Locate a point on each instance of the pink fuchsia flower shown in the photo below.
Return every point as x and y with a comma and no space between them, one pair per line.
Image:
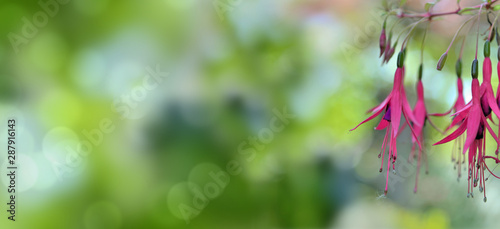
488,100
498,89
456,154
421,116
475,123
460,101
393,107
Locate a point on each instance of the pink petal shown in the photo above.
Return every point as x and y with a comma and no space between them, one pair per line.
396,103
490,130
491,102
412,131
473,122
381,105
441,114
368,119
459,131
464,109
382,125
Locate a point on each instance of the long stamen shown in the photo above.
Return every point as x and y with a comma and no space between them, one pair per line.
385,145
388,163
418,169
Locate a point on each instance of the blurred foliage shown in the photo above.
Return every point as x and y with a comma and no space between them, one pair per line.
231,65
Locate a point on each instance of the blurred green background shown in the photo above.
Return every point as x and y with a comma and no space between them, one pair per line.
221,114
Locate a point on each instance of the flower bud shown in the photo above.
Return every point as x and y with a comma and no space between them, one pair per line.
401,58
474,69
387,47
442,61
390,52
487,48
420,69
382,42
458,68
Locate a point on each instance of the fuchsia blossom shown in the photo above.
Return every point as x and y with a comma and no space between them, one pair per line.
475,123
421,116
498,91
488,101
474,117
459,104
393,106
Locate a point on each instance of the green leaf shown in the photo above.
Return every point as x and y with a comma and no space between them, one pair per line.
468,10
497,7
429,5
402,2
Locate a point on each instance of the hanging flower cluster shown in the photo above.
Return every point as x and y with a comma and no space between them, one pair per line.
469,121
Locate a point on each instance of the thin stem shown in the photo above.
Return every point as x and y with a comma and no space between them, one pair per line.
406,28
423,42
493,26
465,38
477,38
403,45
430,15
395,23
456,34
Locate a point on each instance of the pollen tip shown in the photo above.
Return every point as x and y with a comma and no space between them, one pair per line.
485,199
380,170
394,171
385,192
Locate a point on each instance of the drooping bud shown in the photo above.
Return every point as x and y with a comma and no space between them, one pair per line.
487,48
382,41
388,47
442,61
458,68
420,69
401,58
390,53
474,69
